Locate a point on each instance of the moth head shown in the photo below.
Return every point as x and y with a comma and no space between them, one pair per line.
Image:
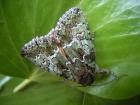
85,77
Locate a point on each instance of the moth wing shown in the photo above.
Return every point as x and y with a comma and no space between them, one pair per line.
43,52
72,24
75,36
39,50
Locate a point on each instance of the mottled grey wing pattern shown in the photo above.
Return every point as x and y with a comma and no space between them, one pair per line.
66,50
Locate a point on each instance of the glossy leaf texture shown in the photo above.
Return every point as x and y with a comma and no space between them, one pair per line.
115,24
52,92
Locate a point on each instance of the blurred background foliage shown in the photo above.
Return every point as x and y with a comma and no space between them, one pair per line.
116,28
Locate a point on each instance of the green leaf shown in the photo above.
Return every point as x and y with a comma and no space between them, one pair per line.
54,93
115,24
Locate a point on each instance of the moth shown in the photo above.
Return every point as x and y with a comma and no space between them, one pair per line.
67,50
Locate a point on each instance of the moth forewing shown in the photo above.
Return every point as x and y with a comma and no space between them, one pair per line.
67,50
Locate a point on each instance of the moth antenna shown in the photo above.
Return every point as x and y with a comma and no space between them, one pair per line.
105,83
115,77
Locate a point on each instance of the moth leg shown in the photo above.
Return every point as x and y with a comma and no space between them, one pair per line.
103,72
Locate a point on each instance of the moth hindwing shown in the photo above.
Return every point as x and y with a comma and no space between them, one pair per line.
66,50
